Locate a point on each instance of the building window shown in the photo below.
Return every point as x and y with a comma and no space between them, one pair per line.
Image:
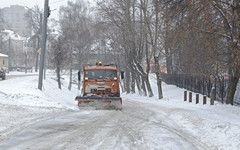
3,62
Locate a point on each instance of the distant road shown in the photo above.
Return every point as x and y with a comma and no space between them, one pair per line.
22,74
9,76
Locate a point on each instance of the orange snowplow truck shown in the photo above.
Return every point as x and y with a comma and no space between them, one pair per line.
100,87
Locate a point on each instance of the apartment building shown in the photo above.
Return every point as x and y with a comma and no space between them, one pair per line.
14,18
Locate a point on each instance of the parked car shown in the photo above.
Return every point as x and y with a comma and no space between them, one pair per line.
2,73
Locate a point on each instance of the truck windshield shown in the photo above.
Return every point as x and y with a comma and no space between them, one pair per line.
100,74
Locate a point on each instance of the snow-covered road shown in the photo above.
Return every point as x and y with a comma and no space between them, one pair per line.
137,126
31,119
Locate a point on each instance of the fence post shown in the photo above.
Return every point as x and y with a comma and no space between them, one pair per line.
185,95
190,97
204,99
197,98
212,96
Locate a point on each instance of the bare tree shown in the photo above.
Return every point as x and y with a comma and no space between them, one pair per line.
125,17
152,30
34,19
206,38
75,22
58,55
229,12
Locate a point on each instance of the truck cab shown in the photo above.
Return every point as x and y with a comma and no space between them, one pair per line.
101,80
100,87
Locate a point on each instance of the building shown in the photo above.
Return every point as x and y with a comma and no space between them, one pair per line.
14,17
20,50
4,61
1,20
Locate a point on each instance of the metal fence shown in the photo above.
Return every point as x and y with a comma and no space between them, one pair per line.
202,85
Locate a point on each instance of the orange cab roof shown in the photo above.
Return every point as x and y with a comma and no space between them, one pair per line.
100,67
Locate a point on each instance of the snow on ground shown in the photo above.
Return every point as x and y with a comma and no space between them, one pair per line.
22,104
27,94
21,100
218,124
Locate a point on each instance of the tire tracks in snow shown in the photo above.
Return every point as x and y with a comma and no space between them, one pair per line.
28,118
167,124
126,129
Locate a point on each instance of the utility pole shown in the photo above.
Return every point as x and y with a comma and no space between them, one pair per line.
43,43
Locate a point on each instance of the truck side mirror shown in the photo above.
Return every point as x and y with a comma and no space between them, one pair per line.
79,76
122,74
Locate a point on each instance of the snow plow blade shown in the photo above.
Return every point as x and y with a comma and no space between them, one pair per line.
109,103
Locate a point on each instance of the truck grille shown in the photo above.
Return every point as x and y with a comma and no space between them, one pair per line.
106,91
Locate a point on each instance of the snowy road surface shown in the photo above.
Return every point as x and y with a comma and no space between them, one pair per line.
31,119
137,126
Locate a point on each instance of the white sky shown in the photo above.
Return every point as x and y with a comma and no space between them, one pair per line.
54,4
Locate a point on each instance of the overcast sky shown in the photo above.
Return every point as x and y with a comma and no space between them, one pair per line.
54,4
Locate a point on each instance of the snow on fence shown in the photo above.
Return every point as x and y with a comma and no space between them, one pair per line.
202,85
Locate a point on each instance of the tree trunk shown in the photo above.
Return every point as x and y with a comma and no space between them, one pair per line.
39,41
37,54
79,64
232,89
25,62
71,63
159,84
138,84
133,82
70,81
144,87
150,93
79,85
59,76
79,80
168,50
169,61
36,64
159,80
127,81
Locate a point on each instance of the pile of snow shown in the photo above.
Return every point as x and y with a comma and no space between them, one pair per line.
26,93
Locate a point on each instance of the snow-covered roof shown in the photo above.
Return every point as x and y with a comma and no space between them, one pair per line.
3,55
13,35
